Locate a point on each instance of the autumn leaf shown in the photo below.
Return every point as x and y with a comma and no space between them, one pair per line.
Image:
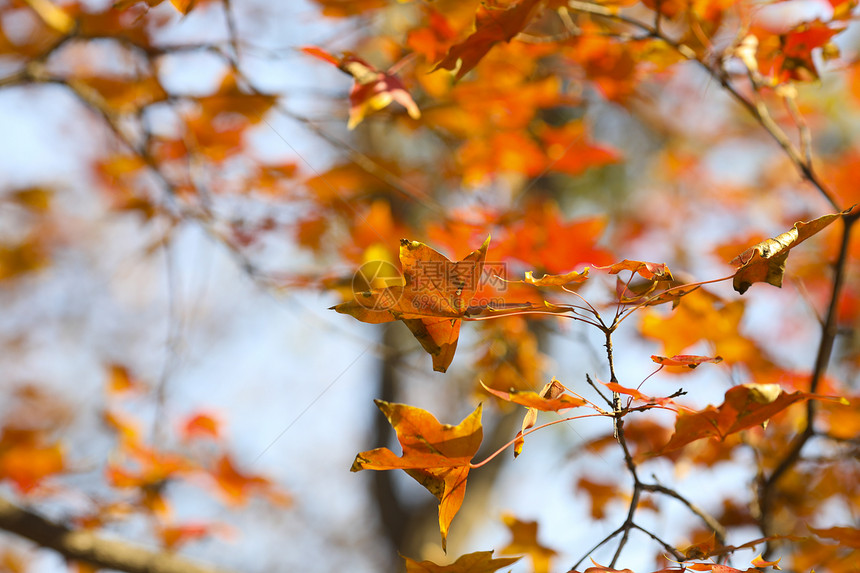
478,562
436,455
682,328
760,561
524,540
27,458
765,262
702,549
846,536
557,280
550,399
120,381
542,239
201,425
745,406
636,394
601,569
52,15
599,495
436,295
687,360
237,486
492,25
175,536
648,271
373,90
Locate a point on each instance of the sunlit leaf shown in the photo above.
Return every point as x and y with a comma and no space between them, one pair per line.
478,562
688,360
649,271
436,455
52,15
745,406
761,562
435,295
765,262
550,399
557,280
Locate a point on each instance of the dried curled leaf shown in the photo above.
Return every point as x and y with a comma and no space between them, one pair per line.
557,280
550,399
648,271
688,360
765,262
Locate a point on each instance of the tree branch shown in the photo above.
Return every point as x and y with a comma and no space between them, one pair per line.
89,548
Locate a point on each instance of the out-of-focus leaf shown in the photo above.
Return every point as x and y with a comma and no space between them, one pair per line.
52,15
846,536
201,425
492,25
373,89
599,495
524,540
238,486
745,406
27,457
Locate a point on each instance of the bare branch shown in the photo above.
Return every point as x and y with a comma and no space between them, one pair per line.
87,547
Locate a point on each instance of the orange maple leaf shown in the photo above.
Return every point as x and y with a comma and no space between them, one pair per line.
373,90
437,456
492,25
745,406
524,540
237,486
477,562
685,360
201,425
26,459
435,296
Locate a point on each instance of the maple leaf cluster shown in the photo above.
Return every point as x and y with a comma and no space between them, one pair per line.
576,134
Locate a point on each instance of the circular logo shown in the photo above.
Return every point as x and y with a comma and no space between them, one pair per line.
372,282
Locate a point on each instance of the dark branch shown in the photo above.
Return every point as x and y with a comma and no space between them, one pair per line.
87,547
